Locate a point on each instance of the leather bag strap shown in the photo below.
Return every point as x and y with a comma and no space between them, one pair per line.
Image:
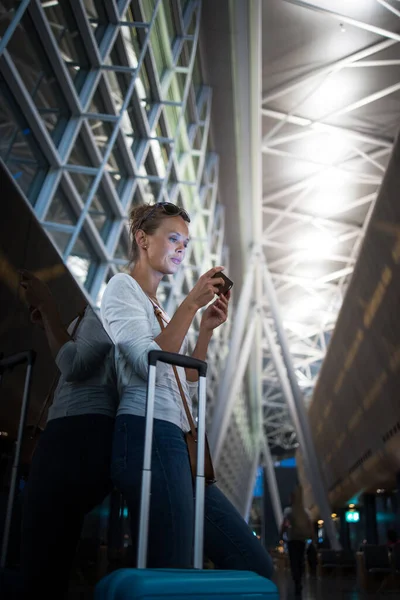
192,425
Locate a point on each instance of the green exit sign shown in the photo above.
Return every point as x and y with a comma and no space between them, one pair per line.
352,516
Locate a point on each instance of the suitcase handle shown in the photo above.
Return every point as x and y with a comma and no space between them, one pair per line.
179,360
17,359
9,363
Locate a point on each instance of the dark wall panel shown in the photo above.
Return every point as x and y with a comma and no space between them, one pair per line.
356,405
24,244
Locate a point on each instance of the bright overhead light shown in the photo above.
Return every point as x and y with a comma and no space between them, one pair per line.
325,147
303,308
316,244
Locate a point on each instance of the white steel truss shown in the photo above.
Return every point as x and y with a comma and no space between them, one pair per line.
310,241
308,337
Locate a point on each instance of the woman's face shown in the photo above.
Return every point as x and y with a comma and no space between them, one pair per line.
166,247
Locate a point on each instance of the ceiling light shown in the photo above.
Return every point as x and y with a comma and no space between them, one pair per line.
303,308
329,193
316,244
323,147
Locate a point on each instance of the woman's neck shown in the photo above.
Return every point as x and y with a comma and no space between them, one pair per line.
147,279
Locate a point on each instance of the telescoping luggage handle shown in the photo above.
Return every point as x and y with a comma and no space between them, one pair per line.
6,364
188,362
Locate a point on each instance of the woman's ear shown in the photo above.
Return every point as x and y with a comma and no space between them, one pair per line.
141,239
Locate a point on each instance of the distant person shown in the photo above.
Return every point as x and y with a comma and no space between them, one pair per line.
298,528
70,470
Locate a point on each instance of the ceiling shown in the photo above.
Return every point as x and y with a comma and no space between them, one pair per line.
330,109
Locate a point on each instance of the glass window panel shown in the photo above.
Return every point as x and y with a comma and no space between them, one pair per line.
132,45
101,213
66,33
8,8
30,59
97,103
18,148
184,56
60,210
83,261
79,154
101,131
143,87
160,45
60,239
192,26
122,250
197,79
160,153
148,9
103,287
97,16
170,19
198,140
82,183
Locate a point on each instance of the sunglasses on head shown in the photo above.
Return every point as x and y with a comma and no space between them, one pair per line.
169,209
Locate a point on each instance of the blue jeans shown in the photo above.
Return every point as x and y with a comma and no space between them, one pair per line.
69,476
228,541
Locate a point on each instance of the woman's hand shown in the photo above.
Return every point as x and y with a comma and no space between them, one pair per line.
206,288
216,313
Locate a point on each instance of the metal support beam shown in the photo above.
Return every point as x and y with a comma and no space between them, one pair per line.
223,410
272,483
251,484
239,324
345,19
255,367
294,397
326,128
349,61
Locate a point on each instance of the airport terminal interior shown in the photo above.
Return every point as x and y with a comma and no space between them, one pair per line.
274,125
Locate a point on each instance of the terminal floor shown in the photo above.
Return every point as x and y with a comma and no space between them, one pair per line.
334,588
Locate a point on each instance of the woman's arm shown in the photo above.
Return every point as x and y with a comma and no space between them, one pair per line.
213,317
171,338
130,326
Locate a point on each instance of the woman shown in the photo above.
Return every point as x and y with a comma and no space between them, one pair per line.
159,240
69,474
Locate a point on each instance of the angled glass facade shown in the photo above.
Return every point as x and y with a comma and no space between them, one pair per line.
102,106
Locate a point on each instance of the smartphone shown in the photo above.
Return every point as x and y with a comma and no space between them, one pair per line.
226,286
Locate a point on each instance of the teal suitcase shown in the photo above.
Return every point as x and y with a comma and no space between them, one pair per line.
185,584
